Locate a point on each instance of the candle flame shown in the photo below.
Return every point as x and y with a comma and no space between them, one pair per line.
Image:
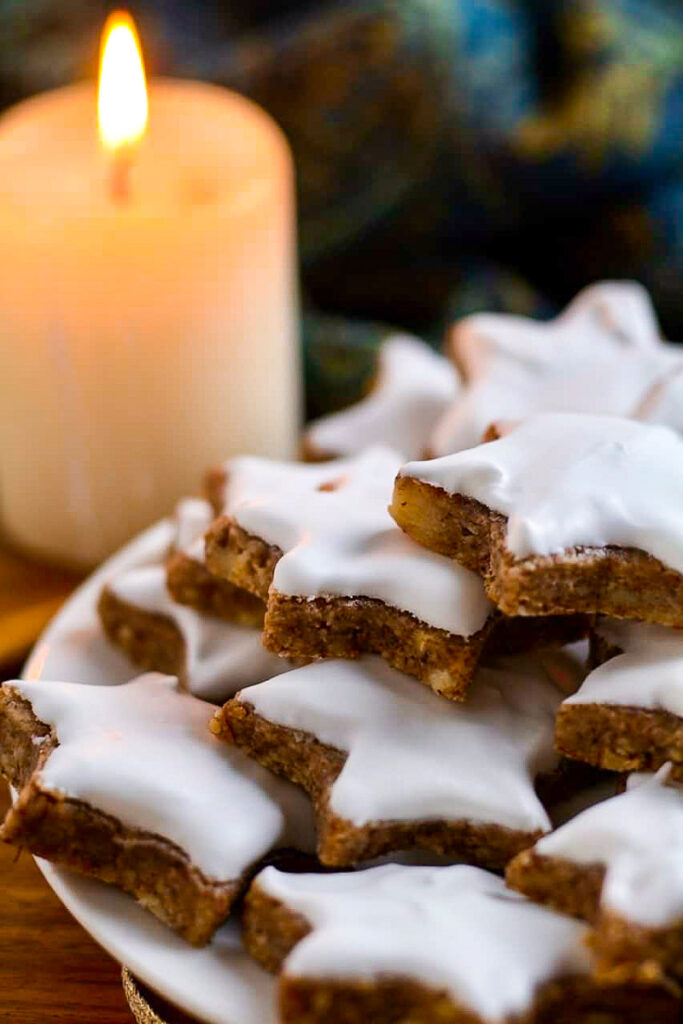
122,92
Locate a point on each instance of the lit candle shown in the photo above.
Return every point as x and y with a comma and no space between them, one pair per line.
147,301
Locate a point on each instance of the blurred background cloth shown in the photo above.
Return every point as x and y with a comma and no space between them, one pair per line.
452,155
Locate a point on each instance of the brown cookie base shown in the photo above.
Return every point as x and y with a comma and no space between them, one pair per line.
296,627
621,582
620,738
624,949
152,642
189,582
235,555
69,832
567,887
271,930
300,757
343,627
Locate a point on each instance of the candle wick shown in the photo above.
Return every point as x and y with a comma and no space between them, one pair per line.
119,177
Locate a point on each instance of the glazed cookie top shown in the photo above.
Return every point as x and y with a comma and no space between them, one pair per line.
648,674
413,389
476,760
453,928
191,519
143,753
219,656
333,526
565,480
638,835
599,356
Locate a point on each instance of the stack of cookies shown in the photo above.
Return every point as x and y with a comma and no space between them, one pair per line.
383,684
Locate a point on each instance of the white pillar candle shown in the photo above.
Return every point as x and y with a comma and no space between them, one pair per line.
149,328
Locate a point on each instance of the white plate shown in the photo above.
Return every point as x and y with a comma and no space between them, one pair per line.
218,984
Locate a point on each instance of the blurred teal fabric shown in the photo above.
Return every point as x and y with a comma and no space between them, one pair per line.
451,156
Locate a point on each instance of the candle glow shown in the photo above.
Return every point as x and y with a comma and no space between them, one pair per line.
122,107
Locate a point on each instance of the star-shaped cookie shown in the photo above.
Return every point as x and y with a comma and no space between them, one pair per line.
628,713
391,766
340,579
189,581
398,943
599,356
127,783
414,387
212,656
618,865
565,513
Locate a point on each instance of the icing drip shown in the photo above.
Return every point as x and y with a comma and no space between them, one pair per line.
143,753
332,523
413,755
638,836
565,480
220,656
649,674
599,356
414,388
455,928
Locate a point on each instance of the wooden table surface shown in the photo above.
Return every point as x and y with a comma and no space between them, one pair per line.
51,971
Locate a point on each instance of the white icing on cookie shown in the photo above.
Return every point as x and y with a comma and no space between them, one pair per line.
143,753
599,356
638,836
192,518
649,673
220,656
565,480
454,928
414,388
413,755
342,542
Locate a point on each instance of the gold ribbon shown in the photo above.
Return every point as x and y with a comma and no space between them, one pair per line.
139,1003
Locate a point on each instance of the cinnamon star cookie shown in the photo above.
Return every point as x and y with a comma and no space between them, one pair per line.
618,865
340,579
440,945
564,513
127,784
628,713
413,388
391,766
599,356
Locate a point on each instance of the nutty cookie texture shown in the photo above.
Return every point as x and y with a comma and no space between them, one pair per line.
211,656
414,387
565,513
439,945
390,766
628,713
340,579
128,785
619,866
599,356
